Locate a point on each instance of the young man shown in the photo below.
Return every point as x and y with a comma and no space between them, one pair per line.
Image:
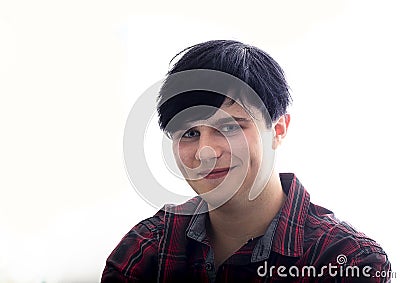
223,104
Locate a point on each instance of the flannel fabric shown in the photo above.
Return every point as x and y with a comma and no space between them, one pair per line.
303,243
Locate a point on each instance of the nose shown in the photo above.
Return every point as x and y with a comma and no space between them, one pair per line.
209,147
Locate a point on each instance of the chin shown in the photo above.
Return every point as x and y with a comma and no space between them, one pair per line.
217,196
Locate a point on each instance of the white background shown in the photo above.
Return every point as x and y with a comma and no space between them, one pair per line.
71,70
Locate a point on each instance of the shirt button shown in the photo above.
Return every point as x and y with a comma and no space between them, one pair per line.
209,266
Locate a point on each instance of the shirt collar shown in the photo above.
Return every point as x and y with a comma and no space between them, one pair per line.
285,234
197,226
263,247
289,235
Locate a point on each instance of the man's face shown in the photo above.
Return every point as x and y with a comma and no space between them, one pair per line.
225,150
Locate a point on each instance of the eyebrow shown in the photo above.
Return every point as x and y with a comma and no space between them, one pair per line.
217,122
229,119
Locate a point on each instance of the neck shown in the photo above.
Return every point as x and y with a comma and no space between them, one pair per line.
241,219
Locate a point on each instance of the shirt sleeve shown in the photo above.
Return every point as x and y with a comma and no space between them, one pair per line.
373,267
135,258
345,255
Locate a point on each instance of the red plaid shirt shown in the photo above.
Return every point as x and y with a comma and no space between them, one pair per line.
304,243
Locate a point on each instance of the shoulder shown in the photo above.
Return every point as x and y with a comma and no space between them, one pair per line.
329,240
322,223
135,258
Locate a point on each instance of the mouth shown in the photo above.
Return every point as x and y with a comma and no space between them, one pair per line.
216,173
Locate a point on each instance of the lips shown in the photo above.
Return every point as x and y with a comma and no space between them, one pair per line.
216,173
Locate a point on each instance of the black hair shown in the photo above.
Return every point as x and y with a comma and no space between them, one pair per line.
248,63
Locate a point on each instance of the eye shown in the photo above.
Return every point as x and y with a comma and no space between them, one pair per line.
191,134
229,128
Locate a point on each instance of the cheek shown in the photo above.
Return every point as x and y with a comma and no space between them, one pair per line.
255,152
248,149
182,156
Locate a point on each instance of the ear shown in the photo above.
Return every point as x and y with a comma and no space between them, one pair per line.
280,130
